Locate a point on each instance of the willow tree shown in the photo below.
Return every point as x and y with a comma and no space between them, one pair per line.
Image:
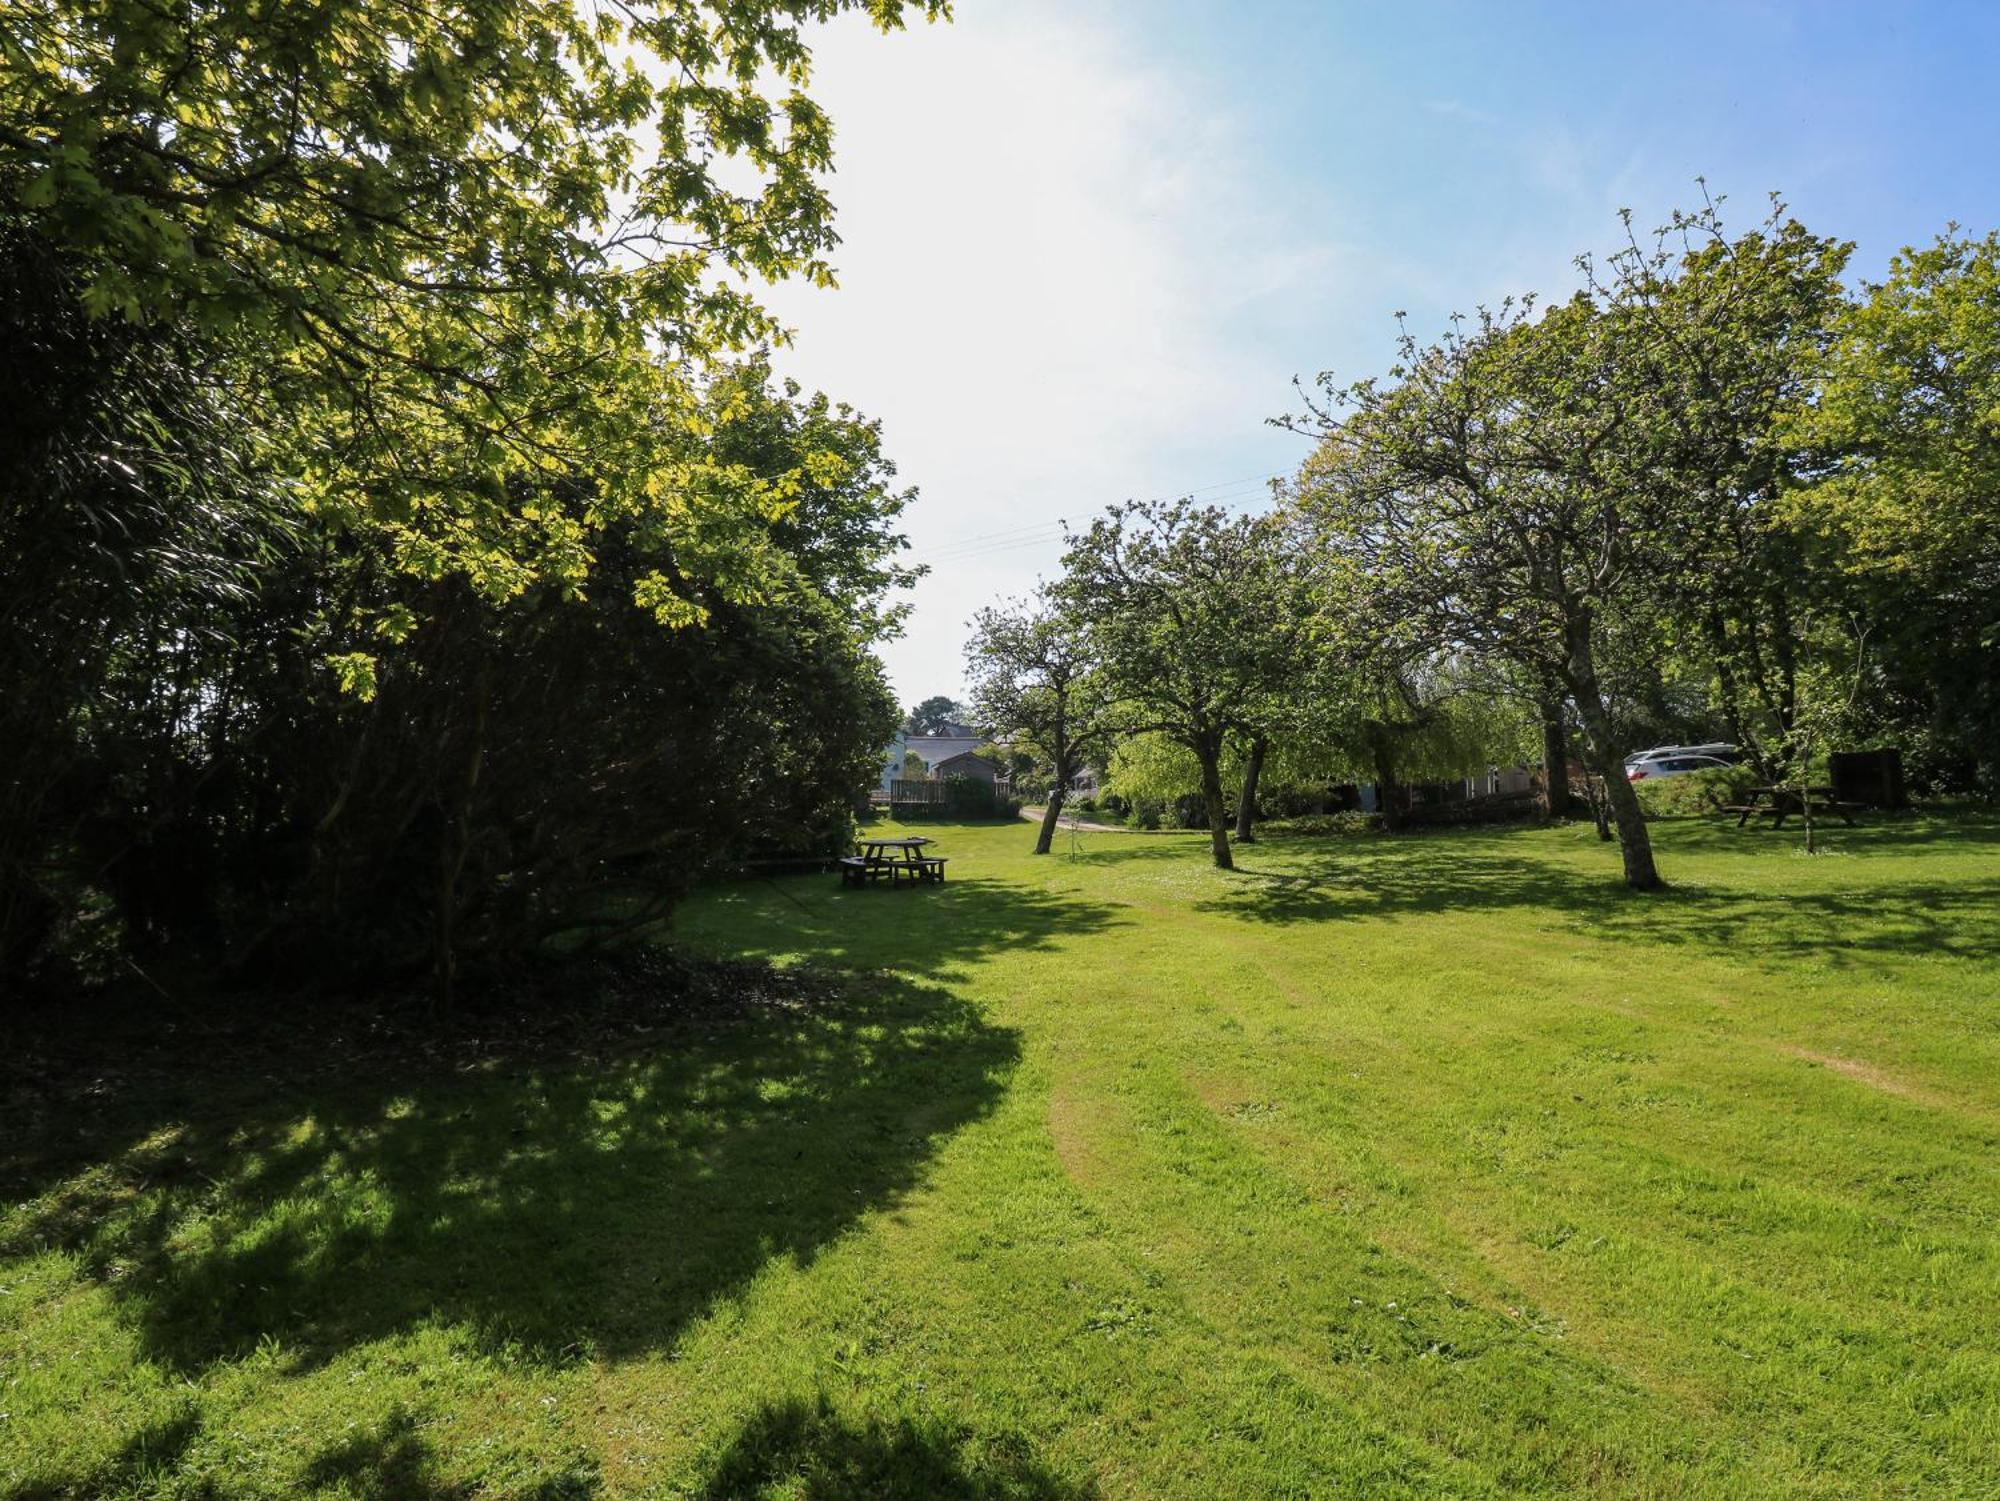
1198,618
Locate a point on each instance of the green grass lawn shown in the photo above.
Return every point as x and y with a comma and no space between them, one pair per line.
1426,1166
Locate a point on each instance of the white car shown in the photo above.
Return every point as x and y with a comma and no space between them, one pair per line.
1651,768
1717,749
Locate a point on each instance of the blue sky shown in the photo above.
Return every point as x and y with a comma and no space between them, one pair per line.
1087,245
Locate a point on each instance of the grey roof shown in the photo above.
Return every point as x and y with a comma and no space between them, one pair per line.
936,748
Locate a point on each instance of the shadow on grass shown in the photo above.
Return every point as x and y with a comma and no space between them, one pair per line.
149,1463
808,1453
1344,880
918,930
393,1461
580,1208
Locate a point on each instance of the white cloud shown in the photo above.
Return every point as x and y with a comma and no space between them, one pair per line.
1058,289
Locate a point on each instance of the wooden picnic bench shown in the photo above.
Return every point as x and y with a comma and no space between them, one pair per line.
1781,803
897,861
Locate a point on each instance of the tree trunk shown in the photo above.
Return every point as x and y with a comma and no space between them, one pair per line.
1635,844
1050,814
1246,804
1210,757
1555,759
1387,802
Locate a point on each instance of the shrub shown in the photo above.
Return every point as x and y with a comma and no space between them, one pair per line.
1146,812
1325,825
1696,793
1295,799
975,797
1113,804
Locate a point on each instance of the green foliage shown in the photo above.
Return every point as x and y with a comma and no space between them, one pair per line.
1153,768
1696,792
1904,437
512,770
1346,824
1036,683
398,477
1554,486
975,797
1908,404
472,271
1196,620
932,715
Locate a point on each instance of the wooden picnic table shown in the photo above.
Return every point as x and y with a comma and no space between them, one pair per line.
1781,803
894,860
872,849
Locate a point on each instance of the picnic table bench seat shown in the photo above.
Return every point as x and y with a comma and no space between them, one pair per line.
874,864
1779,804
918,871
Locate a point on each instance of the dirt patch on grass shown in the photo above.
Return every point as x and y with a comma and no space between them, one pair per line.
1863,1072
1076,1125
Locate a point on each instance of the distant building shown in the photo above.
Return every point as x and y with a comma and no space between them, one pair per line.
966,764
932,750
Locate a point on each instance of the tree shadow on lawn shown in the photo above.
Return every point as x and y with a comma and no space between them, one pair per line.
145,1465
1346,880
915,929
808,1452
393,1461
794,1449
583,1207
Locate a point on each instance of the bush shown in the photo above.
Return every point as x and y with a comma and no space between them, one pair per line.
1696,793
1296,799
1114,805
975,797
1146,812
1325,825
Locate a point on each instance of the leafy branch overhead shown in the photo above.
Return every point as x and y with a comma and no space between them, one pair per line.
475,269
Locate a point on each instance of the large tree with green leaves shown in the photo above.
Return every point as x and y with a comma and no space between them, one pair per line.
932,715
1036,685
1902,443
470,267
416,344
1535,489
1197,618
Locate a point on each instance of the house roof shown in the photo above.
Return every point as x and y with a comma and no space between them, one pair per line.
940,748
950,760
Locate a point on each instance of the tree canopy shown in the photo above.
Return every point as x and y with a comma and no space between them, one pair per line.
1197,616
407,551
1036,686
473,268
1539,481
932,715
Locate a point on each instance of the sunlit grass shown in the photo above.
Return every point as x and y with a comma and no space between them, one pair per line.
1384,1166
